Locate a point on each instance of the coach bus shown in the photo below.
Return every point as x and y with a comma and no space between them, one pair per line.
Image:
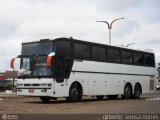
69,68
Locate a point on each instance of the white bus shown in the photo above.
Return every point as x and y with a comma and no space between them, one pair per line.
70,68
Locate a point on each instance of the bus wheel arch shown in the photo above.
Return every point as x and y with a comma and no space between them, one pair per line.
128,91
75,92
137,90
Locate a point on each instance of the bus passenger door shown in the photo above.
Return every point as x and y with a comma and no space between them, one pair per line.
62,72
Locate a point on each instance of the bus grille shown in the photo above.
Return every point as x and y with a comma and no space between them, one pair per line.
31,84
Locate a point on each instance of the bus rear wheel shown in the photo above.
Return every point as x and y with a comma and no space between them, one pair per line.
127,91
112,97
75,93
137,91
45,99
100,97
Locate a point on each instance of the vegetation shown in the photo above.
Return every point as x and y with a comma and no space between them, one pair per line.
6,86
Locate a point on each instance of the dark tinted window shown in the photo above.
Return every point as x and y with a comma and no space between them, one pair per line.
113,55
63,48
98,53
126,56
77,50
149,59
86,51
81,51
36,48
138,58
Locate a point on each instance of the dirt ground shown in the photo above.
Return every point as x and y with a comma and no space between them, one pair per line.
148,103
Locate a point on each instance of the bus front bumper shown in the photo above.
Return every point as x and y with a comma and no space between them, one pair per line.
35,92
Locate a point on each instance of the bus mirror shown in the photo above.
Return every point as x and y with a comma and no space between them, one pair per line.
49,61
12,63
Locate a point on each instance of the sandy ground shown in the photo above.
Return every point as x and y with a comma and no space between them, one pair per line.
148,103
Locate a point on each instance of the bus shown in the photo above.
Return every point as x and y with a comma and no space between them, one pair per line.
70,68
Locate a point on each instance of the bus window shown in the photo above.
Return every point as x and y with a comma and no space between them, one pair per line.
81,51
113,55
138,58
98,53
126,56
86,51
149,59
63,48
78,50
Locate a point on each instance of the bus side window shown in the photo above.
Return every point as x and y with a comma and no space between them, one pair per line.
63,48
138,58
98,53
81,51
78,50
149,59
126,56
113,55
86,52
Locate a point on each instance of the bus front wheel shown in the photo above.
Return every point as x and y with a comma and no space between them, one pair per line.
75,93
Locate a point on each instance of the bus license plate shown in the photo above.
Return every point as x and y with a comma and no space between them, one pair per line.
31,90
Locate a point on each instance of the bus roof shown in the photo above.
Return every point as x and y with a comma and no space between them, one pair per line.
65,38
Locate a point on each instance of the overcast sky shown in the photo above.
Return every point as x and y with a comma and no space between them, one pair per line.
22,20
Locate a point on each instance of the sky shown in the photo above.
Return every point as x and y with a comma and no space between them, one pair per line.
22,20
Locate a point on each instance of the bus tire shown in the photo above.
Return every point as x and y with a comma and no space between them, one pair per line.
137,91
75,93
127,91
45,99
100,97
112,97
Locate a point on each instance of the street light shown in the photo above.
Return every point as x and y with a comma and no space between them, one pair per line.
110,26
130,44
126,45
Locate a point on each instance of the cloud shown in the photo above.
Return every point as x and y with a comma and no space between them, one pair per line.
26,19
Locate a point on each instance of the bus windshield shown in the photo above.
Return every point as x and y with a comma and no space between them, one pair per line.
37,48
34,59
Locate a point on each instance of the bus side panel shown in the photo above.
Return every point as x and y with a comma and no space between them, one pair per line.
108,78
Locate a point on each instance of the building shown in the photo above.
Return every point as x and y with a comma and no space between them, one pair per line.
2,76
8,75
